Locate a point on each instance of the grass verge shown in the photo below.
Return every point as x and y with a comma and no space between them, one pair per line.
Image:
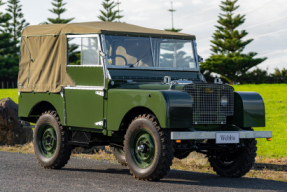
275,100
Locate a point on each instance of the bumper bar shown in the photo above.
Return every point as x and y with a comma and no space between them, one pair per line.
179,135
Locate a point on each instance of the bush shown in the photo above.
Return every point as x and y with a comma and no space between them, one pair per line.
257,76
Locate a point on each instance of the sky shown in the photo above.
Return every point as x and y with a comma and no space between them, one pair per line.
266,21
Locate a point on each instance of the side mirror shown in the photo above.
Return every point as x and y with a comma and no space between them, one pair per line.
200,59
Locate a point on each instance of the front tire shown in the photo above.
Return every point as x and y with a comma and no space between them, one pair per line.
148,148
235,164
50,141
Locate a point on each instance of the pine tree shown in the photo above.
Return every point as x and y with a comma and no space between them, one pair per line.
227,58
8,64
58,10
172,28
16,24
59,4
108,15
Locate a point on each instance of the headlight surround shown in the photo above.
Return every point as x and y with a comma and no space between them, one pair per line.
224,101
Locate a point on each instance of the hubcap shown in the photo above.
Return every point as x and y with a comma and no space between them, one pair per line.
142,148
47,140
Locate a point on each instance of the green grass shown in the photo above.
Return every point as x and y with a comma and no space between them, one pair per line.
12,93
275,99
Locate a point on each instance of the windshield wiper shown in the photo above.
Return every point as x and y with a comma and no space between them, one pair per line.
132,65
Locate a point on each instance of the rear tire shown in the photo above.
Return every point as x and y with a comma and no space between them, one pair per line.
148,148
235,164
50,141
119,155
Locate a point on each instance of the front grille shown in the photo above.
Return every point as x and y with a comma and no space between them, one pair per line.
207,107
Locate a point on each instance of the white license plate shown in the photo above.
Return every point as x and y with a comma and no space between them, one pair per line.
227,138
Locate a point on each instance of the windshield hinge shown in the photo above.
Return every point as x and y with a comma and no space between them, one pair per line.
102,53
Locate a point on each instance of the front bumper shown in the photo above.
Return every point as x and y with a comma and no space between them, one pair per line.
190,135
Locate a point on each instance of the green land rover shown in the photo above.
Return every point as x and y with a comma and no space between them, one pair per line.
137,90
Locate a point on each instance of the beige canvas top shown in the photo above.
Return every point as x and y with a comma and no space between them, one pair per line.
97,27
44,51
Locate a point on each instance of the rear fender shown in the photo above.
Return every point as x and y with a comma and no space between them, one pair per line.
32,103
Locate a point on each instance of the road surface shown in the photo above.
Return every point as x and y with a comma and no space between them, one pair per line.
21,172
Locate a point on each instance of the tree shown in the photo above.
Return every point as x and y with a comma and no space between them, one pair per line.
59,4
227,58
172,28
58,10
108,15
17,24
8,64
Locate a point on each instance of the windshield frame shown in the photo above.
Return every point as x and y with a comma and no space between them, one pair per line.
152,68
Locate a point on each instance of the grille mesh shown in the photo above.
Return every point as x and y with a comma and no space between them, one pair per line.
207,107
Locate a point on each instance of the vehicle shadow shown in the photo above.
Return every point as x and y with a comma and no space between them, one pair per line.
188,178
212,180
107,171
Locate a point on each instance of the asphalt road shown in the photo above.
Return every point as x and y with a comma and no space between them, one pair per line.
21,172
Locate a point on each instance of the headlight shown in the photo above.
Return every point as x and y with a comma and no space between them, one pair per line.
224,101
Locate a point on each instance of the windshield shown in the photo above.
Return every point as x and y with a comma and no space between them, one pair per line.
149,52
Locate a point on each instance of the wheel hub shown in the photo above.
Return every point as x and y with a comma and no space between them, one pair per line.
47,140
142,148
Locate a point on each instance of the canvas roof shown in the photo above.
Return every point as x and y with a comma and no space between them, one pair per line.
98,27
44,51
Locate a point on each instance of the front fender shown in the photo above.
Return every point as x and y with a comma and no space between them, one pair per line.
178,109
249,110
173,109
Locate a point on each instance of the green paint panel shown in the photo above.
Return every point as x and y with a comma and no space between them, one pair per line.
249,110
121,101
27,101
147,86
179,109
155,75
83,108
86,76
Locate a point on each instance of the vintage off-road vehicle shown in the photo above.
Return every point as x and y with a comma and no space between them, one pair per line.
136,89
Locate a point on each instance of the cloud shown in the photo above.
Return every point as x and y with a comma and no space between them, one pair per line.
264,19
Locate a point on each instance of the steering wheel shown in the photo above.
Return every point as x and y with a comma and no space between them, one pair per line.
114,56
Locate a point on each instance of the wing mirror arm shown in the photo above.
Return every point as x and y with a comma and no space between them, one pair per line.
200,59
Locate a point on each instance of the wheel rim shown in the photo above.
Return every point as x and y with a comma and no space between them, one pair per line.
142,148
228,159
47,140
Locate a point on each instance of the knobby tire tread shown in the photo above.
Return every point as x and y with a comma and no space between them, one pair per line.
117,158
166,156
245,165
65,149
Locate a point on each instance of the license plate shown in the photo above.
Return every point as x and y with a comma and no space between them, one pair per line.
227,138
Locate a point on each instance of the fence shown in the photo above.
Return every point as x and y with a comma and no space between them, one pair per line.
8,85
